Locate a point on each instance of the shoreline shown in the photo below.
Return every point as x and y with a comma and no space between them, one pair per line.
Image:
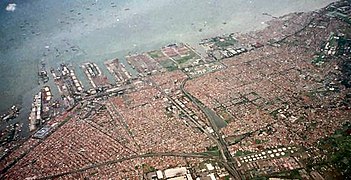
149,71
102,56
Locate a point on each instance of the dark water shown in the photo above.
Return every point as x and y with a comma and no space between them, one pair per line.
46,30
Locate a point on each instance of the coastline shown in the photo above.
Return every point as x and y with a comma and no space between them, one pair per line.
274,45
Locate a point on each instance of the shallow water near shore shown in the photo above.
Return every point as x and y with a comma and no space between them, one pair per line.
96,30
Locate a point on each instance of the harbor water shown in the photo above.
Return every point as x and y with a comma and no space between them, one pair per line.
77,31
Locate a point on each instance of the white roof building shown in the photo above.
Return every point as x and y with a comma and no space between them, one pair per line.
209,167
175,172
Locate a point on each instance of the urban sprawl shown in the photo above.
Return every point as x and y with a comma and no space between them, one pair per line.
254,106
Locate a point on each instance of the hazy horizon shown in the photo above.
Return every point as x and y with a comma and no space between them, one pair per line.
106,29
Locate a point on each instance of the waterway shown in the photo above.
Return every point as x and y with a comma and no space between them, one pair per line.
49,30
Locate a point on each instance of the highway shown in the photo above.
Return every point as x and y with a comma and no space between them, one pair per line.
225,159
171,154
228,161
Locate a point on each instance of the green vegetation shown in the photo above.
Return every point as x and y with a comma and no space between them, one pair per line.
94,173
332,41
259,178
190,56
224,115
318,60
235,139
214,148
242,153
169,65
226,177
169,114
344,17
64,121
194,99
274,113
147,168
213,151
339,43
348,20
338,149
258,141
295,174
311,94
202,165
342,44
313,125
155,54
225,42
171,68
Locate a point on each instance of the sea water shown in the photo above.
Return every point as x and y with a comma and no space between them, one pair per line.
36,31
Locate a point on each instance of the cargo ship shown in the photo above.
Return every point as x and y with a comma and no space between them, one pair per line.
11,113
35,114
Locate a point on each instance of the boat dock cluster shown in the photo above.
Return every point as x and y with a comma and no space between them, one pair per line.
258,108
10,114
144,64
45,106
42,108
35,115
118,70
95,76
7,136
68,84
71,91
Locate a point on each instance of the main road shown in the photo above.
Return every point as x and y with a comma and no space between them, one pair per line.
228,161
119,160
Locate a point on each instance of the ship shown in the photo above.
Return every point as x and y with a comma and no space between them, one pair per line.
35,115
43,74
11,113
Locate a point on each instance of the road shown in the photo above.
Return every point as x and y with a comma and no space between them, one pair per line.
225,159
228,161
171,154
